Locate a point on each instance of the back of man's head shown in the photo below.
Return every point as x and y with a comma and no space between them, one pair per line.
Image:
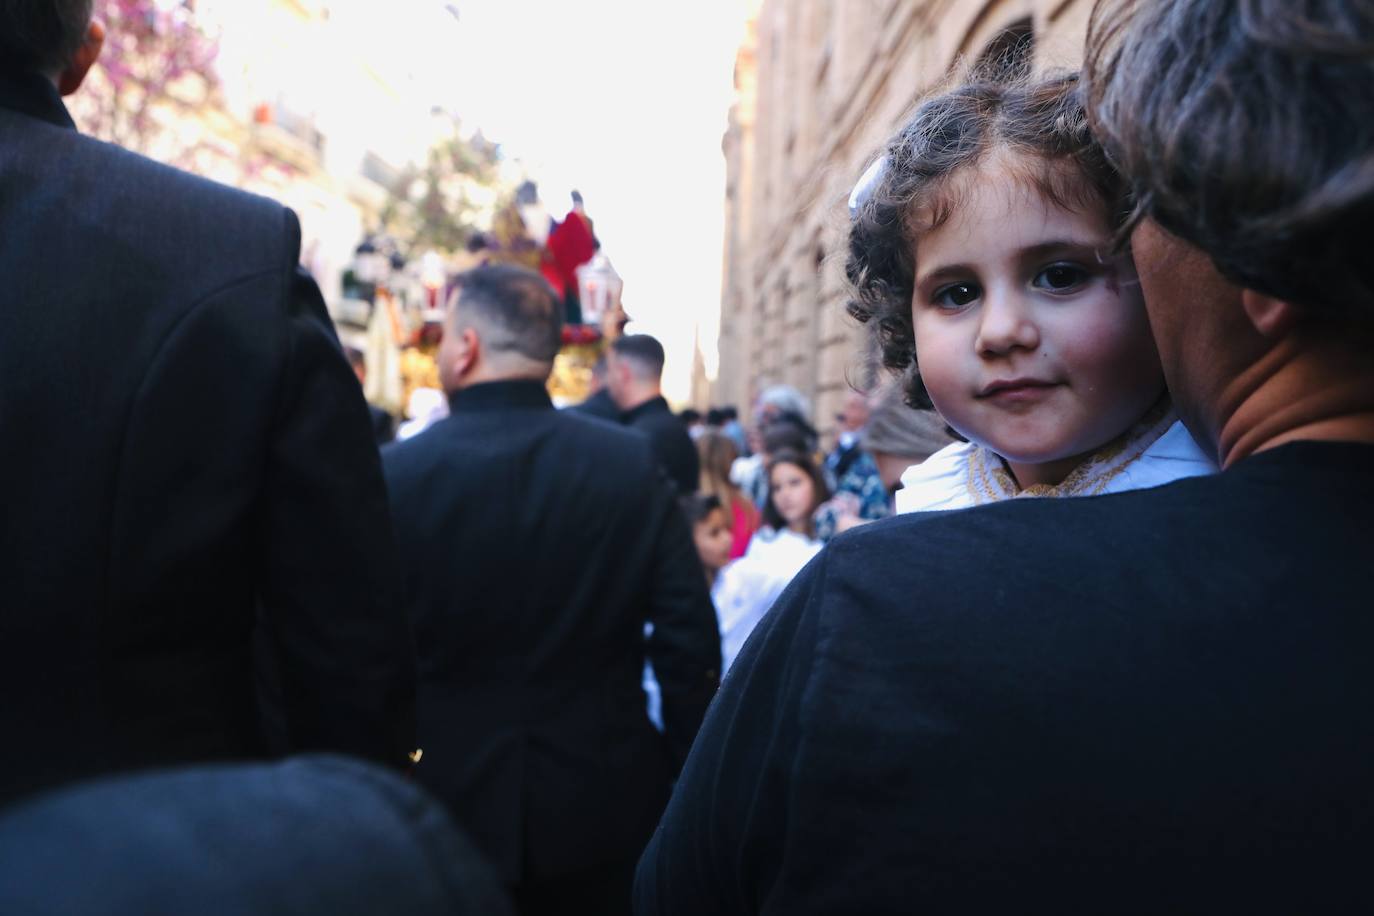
642,353
1246,128
514,314
41,36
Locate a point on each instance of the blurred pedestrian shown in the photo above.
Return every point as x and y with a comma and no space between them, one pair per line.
777,400
747,588
634,375
383,423
710,532
190,460
896,437
536,545
781,434
851,420
900,436
693,422
731,426
717,453
599,402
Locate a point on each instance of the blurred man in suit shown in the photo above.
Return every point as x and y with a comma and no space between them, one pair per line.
634,376
536,545
599,403
383,423
188,459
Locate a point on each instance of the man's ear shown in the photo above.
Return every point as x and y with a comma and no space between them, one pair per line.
70,79
1273,318
471,350
457,354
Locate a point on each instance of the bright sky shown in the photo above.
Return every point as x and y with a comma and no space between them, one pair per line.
625,100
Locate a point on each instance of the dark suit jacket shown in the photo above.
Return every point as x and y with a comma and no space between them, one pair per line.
1152,702
600,405
383,425
674,448
536,545
310,836
184,444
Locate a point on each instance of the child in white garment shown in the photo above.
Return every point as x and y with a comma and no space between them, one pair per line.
747,588
983,247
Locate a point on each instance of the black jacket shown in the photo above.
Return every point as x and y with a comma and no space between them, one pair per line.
1151,702
674,448
310,836
536,545
187,454
600,405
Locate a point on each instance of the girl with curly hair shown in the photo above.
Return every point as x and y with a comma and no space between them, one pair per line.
983,251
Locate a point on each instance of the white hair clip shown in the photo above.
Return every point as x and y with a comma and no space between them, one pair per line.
863,190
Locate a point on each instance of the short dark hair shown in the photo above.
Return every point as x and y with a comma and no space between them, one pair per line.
41,36
1246,128
517,306
642,350
788,431
820,490
696,506
1042,119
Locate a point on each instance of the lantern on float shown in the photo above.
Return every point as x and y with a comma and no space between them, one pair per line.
598,288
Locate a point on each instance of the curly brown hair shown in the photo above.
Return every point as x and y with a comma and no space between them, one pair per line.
1042,122
1246,128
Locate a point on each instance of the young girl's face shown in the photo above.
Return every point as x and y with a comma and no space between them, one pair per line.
1030,338
793,494
713,539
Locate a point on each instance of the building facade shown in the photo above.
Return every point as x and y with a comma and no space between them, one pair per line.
820,85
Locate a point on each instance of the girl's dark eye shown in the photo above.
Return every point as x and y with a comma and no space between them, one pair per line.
956,295
1060,278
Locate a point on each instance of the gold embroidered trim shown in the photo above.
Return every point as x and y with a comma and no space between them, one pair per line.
990,481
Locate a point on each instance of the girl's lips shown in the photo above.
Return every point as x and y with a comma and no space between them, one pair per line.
1017,390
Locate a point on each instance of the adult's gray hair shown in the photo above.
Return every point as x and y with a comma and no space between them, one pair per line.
40,36
1246,127
785,399
897,429
516,309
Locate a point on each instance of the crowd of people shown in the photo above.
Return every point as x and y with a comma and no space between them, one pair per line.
768,499
1072,615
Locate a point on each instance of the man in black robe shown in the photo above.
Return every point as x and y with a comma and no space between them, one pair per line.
536,545
187,461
